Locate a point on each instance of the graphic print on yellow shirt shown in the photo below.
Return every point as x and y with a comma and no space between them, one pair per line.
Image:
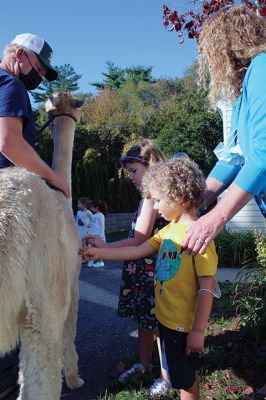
168,262
175,305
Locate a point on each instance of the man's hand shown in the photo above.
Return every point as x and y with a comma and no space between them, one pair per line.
60,182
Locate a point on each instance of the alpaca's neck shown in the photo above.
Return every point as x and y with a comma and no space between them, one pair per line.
63,136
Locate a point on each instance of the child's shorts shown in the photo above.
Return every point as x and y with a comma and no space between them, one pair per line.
180,367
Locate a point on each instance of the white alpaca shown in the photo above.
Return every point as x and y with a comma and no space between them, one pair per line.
39,267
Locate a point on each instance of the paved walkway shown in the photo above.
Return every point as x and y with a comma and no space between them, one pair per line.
102,337
227,274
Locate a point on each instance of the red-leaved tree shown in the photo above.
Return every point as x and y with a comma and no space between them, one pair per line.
190,22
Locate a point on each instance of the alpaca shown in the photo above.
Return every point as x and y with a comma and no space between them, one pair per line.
39,266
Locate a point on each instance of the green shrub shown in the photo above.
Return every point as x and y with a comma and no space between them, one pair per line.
235,248
251,292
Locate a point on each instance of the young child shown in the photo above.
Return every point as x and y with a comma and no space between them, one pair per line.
185,285
84,216
136,298
99,210
83,222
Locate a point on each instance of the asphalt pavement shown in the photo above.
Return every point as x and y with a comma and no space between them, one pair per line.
103,338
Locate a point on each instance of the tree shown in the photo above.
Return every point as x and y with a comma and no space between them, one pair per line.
106,119
116,77
186,124
190,22
139,73
67,82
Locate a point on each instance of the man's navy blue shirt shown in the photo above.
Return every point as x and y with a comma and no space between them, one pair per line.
15,102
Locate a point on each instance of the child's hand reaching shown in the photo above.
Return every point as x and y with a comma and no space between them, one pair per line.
93,240
89,253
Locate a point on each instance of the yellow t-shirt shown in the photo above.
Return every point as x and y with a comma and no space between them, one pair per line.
176,298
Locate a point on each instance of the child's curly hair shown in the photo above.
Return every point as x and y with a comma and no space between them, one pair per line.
175,179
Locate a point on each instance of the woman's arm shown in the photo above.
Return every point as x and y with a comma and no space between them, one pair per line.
214,189
195,339
122,253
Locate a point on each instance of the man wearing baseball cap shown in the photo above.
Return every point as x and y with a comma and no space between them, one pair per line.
26,61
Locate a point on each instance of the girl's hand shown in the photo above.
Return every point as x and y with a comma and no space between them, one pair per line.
195,342
93,240
89,253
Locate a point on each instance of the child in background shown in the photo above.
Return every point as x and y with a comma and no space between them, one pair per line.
136,298
83,222
84,216
100,211
185,285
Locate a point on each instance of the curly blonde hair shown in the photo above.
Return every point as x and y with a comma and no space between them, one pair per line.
175,179
227,43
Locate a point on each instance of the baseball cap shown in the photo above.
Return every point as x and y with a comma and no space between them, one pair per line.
42,50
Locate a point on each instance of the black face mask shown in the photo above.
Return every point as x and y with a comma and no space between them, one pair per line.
32,80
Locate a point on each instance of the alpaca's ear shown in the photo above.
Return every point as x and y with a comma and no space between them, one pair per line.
77,103
54,98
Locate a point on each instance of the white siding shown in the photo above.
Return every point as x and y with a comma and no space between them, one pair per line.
250,215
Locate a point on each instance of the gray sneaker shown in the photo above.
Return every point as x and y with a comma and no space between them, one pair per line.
136,368
159,387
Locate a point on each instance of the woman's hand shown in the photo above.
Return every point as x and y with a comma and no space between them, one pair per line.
202,232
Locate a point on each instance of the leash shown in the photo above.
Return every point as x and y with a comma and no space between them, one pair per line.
50,119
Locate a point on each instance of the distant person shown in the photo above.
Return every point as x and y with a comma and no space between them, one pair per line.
234,58
136,298
185,285
84,216
26,61
100,211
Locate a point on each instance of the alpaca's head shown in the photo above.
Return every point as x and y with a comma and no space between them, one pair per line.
64,103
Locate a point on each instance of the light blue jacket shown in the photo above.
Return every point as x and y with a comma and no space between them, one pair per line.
249,121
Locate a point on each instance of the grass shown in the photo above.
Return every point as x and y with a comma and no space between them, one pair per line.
232,362
234,249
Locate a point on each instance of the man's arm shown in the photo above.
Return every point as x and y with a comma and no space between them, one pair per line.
21,154
195,339
122,253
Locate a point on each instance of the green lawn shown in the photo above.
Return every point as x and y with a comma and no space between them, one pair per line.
234,358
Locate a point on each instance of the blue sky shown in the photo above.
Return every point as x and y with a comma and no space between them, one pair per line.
86,34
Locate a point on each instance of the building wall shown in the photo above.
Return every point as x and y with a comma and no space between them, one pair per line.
250,216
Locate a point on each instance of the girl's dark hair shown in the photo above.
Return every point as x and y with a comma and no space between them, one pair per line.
101,205
85,201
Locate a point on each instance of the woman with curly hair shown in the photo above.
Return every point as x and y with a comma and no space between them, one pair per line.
232,57
185,285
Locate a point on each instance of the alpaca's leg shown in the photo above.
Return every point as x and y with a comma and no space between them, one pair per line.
41,360
70,357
